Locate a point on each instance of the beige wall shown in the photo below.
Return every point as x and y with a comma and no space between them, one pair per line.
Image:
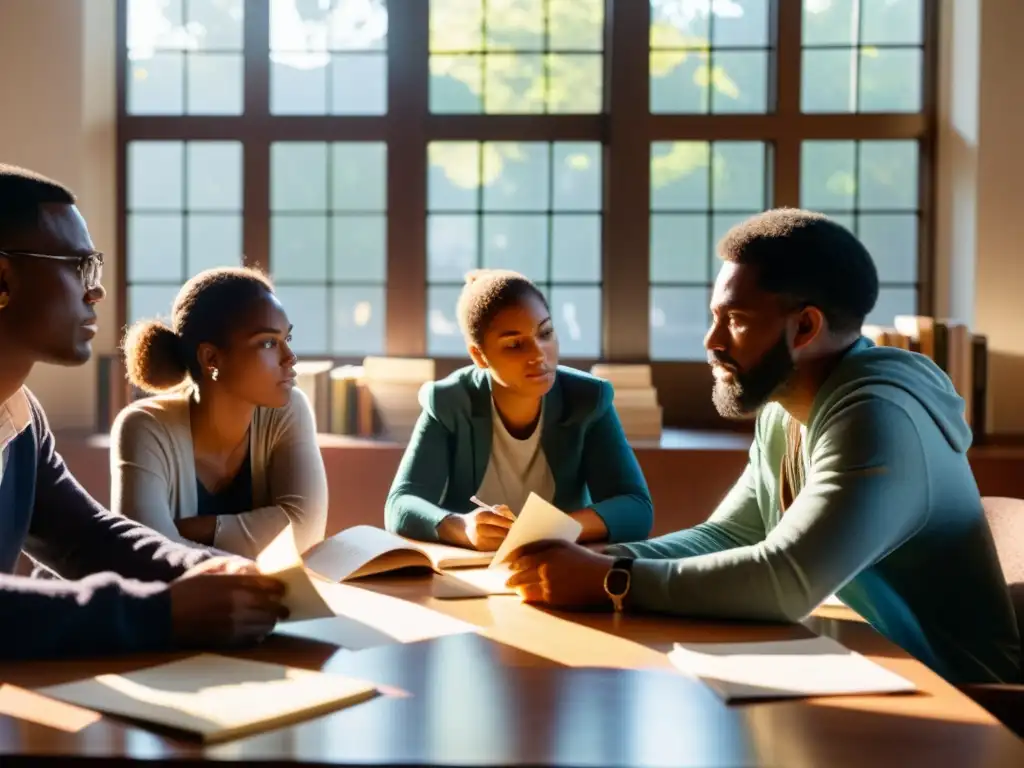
57,108
981,189
58,117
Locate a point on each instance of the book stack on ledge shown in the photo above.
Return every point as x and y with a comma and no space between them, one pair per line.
375,399
636,399
958,352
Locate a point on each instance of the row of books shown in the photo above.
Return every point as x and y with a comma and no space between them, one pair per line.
379,397
963,355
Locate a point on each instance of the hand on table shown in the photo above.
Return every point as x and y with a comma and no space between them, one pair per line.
481,529
560,574
221,565
221,610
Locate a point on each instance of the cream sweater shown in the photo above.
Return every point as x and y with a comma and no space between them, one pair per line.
153,473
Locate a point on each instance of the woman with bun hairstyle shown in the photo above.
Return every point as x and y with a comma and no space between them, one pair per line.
226,453
513,423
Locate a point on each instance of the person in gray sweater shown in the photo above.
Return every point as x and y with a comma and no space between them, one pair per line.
124,588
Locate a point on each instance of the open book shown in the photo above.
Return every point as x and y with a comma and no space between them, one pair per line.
216,698
364,551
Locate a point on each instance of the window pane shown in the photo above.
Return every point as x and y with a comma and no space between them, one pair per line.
892,302
887,175
892,22
214,176
156,84
738,172
151,301
298,84
576,25
741,23
155,170
891,239
451,246
832,22
675,24
890,79
739,81
306,307
576,248
156,24
517,242
679,322
829,80
358,320
679,82
213,241
217,23
359,176
827,176
576,313
679,175
577,169
516,56
298,248
359,84
214,84
155,247
516,176
298,176
453,178
679,248
443,335
359,248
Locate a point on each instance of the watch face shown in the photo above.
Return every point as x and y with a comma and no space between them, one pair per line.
618,581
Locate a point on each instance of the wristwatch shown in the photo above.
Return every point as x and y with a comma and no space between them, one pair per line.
617,581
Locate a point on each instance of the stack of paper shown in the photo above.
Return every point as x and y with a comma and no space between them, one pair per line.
817,666
215,697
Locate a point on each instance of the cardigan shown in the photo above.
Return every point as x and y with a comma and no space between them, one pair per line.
119,603
153,473
583,441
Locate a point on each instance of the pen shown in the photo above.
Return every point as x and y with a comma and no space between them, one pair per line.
488,507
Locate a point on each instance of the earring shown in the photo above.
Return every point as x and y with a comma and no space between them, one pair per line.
3,300
214,373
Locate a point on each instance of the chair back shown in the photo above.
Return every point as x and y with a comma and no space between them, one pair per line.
1006,520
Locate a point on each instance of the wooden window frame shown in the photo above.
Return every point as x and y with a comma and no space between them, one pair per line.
625,129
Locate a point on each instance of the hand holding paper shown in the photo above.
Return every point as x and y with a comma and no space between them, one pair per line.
281,560
538,521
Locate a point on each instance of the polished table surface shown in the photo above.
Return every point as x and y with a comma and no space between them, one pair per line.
494,682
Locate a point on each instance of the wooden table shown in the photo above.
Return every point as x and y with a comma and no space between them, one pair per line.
529,687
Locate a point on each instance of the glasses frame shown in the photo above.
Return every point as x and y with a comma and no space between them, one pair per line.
90,265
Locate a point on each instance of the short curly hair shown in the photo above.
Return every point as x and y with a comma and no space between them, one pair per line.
22,192
486,293
161,357
810,259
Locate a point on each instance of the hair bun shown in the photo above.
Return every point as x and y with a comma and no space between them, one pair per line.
153,356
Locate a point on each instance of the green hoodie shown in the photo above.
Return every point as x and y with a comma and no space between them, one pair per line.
888,517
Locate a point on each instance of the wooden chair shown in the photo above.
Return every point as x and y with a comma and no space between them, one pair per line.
1006,519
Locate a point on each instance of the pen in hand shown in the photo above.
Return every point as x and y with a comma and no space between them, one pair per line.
489,508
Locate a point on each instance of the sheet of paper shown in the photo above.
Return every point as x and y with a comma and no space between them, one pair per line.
536,522
302,597
817,666
472,582
216,697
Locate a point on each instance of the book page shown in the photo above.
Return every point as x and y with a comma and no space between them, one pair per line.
538,521
471,582
215,697
817,666
362,551
281,560
445,556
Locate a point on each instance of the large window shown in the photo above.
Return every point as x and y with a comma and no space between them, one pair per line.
368,153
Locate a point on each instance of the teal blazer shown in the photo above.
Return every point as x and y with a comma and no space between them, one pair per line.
592,463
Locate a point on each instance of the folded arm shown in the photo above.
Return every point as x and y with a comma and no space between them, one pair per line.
615,481
859,503
413,507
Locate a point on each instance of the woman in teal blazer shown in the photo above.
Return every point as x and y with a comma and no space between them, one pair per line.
515,422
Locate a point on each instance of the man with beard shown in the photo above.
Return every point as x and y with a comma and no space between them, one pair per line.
857,482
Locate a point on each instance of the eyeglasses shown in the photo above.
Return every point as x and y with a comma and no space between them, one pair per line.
90,266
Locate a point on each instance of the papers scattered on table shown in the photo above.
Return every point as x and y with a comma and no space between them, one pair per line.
216,698
471,582
817,666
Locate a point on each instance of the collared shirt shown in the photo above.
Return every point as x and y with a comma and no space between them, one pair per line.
15,417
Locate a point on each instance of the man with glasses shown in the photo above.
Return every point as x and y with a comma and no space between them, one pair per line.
124,588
